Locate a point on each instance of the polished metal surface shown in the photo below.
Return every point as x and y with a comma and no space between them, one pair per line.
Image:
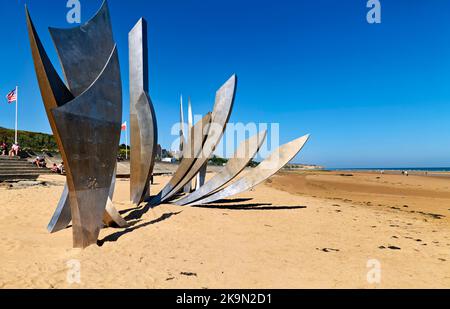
54,93
262,172
84,50
91,153
182,133
86,126
220,116
111,216
143,124
63,216
189,186
244,154
192,151
201,177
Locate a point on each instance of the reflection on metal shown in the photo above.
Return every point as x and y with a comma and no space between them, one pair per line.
85,120
111,216
191,185
265,170
182,134
62,216
83,51
244,154
201,177
220,116
192,151
89,128
144,134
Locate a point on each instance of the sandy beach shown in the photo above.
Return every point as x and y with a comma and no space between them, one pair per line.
298,230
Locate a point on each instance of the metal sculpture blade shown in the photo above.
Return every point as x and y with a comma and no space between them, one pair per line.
201,177
55,93
144,128
262,172
53,90
83,51
192,151
63,216
111,216
244,154
182,134
188,188
220,116
91,153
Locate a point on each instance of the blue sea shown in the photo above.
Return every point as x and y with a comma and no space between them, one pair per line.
415,169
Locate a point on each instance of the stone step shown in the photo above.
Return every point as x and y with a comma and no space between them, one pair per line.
29,165
26,172
20,168
14,162
15,178
6,158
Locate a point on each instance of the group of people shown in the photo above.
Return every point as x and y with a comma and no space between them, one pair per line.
58,169
13,152
40,162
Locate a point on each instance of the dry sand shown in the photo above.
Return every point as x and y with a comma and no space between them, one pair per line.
299,230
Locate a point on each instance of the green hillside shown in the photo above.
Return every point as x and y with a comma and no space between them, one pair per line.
35,142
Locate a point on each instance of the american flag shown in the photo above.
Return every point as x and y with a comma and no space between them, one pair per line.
124,126
12,96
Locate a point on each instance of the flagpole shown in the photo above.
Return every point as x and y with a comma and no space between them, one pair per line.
126,142
17,109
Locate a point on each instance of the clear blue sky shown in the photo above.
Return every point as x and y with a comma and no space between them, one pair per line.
370,95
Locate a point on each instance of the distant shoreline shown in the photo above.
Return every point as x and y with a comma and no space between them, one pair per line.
400,169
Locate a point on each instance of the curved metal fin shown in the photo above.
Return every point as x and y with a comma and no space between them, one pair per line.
84,50
244,154
54,91
222,111
262,172
144,148
191,185
95,116
111,216
62,216
143,123
191,152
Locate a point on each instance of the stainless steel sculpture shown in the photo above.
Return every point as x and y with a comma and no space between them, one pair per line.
192,151
63,216
85,118
144,134
244,154
201,177
264,171
182,133
222,110
189,186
